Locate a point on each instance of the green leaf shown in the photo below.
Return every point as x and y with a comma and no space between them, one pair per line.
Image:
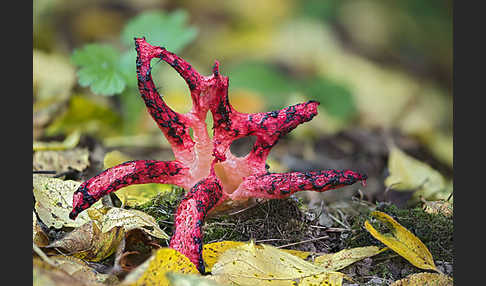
100,69
264,79
335,98
160,28
128,68
276,87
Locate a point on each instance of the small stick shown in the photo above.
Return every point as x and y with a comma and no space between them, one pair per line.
338,221
45,172
270,239
304,241
331,229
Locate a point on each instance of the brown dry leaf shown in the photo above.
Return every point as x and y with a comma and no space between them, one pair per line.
423,279
137,248
62,160
402,241
251,264
39,237
80,270
45,274
345,257
131,219
53,202
154,270
88,242
439,207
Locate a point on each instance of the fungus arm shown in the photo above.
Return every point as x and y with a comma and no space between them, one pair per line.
189,218
175,126
128,173
278,186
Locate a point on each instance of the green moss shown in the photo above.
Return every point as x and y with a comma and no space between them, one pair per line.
434,230
221,228
382,270
163,206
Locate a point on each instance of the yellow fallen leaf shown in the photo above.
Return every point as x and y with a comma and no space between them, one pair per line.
53,76
89,115
247,101
114,158
131,219
409,174
68,143
89,243
345,257
298,253
212,251
154,270
402,241
177,279
251,264
423,279
54,199
441,146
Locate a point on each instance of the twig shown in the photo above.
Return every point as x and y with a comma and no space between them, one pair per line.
223,223
242,210
43,255
338,221
331,229
270,239
450,196
304,241
49,172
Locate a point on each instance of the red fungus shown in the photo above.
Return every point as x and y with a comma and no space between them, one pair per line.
205,166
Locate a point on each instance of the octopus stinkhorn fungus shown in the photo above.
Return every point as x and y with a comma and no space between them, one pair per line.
203,165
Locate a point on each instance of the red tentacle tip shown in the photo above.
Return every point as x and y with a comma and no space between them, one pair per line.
73,214
216,68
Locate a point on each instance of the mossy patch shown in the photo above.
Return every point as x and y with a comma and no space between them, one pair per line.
163,206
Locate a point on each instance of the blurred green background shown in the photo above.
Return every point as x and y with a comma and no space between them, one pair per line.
373,64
